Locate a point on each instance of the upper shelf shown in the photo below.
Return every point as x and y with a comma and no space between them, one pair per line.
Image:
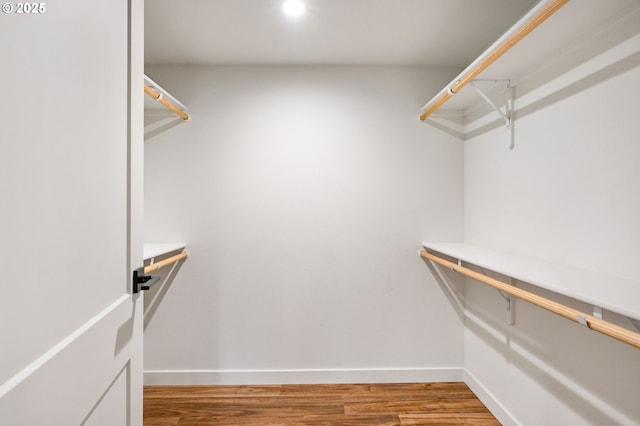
543,54
613,293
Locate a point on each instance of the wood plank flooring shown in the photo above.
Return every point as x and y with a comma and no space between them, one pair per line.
315,405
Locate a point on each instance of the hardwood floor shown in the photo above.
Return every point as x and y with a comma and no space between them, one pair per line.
315,405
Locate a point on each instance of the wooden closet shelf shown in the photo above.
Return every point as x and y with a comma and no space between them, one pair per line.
540,48
613,293
609,292
152,250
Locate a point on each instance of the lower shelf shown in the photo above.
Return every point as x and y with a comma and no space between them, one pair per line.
152,250
615,294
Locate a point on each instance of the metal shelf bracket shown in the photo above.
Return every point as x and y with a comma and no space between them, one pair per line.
510,319
507,116
597,312
510,305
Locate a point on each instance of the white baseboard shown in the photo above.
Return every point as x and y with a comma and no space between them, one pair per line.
483,394
303,376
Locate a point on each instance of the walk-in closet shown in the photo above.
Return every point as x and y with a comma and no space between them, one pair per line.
314,212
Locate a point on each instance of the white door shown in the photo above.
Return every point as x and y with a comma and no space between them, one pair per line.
70,202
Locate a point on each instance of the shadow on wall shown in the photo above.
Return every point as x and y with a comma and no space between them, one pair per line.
156,294
450,284
576,87
157,124
562,357
566,359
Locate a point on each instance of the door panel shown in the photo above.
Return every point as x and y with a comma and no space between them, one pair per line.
66,383
68,323
115,400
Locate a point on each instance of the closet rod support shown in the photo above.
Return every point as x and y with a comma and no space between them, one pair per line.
510,318
582,321
505,117
510,301
597,312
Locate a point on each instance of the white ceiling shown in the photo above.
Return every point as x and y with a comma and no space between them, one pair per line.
374,32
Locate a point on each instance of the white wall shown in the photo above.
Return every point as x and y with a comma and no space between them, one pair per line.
570,193
303,194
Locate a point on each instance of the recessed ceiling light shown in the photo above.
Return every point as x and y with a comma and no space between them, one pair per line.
293,8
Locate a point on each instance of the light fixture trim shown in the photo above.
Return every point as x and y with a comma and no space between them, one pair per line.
293,8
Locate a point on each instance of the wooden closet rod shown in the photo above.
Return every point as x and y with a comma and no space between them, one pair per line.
158,97
168,261
574,315
517,35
